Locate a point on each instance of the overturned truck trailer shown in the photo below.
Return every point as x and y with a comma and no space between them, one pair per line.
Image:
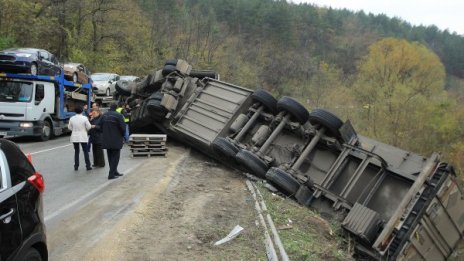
397,205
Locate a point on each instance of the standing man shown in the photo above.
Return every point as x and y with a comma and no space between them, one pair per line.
113,128
95,137
79,125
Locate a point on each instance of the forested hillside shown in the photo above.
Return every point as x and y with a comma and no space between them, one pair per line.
398,83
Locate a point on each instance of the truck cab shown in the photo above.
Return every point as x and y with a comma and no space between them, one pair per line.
38,106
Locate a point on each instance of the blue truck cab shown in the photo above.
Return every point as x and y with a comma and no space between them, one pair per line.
39,106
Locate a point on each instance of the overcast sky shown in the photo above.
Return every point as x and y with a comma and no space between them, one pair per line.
445,14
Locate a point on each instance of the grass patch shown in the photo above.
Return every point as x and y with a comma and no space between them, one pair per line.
305,234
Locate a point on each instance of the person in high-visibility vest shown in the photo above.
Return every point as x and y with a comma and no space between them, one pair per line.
123,109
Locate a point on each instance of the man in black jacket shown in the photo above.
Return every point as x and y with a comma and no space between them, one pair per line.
113,128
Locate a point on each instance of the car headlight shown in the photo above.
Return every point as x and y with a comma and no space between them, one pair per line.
26,125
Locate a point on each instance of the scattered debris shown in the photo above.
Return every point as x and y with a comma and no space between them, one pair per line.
233,234
285,227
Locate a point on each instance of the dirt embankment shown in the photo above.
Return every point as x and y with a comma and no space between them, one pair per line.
196,203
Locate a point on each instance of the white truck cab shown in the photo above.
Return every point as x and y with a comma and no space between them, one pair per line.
36,105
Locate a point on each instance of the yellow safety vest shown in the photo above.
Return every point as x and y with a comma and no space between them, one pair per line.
119,109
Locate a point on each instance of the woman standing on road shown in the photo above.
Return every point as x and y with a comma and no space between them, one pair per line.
79,125
96,139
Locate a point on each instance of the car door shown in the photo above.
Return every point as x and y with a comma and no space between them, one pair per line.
54,65
10,228
44,63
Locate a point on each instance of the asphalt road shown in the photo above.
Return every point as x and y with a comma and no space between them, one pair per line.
67,190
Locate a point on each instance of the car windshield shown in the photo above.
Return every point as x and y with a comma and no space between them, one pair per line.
15,91
101,77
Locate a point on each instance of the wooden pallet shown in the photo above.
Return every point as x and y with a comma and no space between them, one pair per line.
147,137
148,154
147,145
148,150
142,145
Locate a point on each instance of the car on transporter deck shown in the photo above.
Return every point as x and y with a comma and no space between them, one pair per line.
104,83
76,72
22,229
29,60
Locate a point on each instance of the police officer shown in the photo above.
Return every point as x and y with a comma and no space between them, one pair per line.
124,110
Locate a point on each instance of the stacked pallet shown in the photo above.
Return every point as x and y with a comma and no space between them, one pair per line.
147,145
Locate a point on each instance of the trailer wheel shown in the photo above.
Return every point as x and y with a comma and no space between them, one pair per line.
168,69
293,107
171,62
252,163
304,195
47,131
328,120
283,180
266,99
34,69
123,87
224,147
154,108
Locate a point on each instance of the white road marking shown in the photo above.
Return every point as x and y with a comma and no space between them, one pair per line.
40,151
85,197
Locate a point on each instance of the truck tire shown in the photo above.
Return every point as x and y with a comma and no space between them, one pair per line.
328,120
298,111
154,108
47,131
252,163
171,62
168,69
123,87
304,195
283,180
266,99
224,147
204,74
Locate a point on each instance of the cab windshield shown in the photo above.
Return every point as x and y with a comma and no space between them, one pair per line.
15,91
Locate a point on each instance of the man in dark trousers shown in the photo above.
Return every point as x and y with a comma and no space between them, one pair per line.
113,128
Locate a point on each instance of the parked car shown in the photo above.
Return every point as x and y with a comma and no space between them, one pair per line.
22,229
76,72
104,83
130,78
29,60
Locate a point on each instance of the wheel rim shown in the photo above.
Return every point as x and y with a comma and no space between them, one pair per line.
46,130
34,69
